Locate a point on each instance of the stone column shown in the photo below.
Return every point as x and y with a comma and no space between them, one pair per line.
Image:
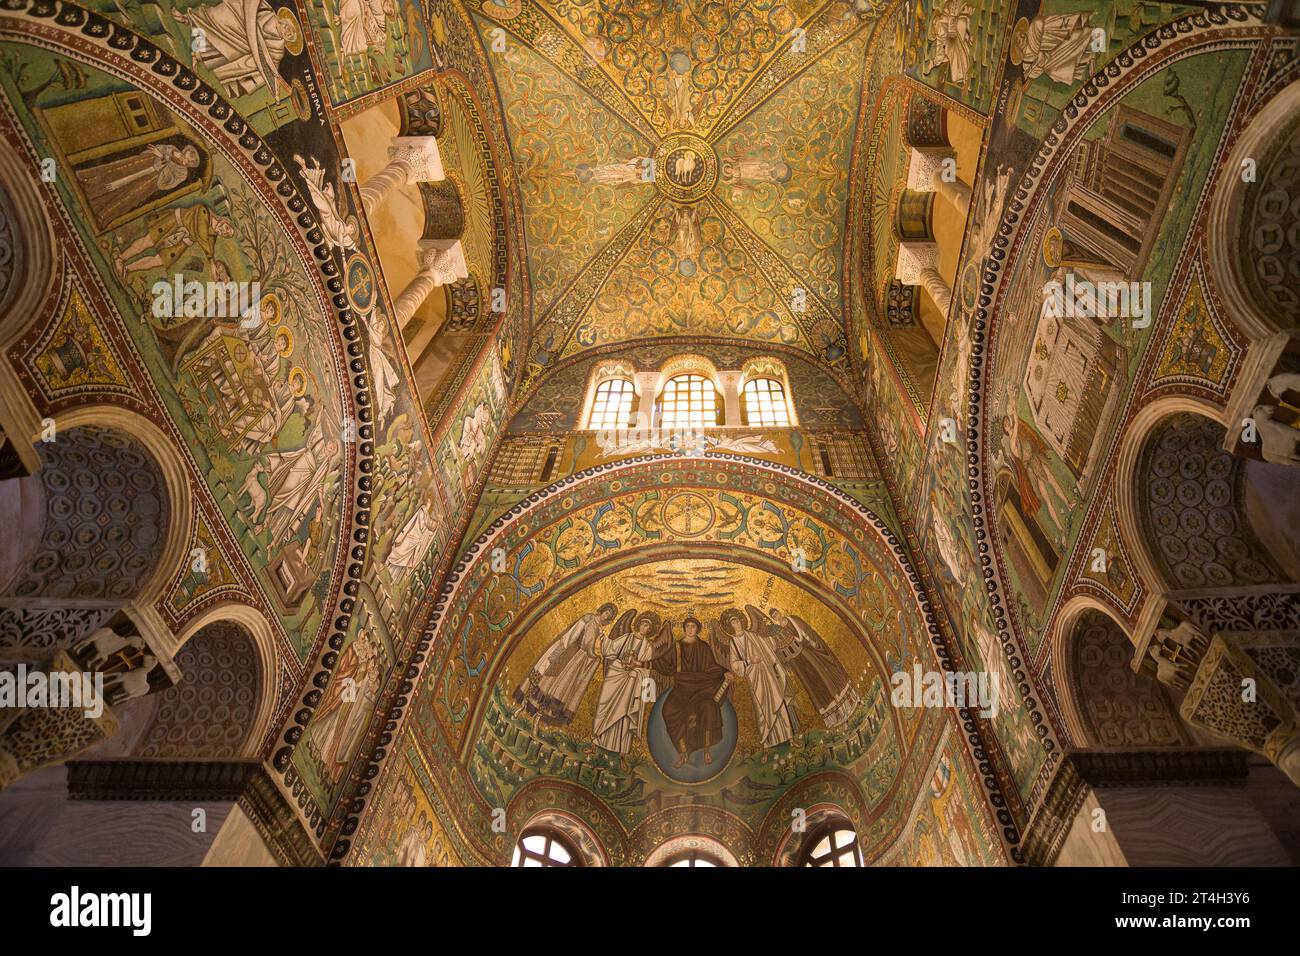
647,387
916,265
440,264
412,159
730,382
925,173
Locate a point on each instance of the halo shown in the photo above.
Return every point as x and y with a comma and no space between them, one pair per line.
285,350
294,44
1018,37
1052,235
731,612
269,307
298,381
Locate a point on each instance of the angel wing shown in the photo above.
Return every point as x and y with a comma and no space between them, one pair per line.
624,623
759,622
721,645
663,641
663,658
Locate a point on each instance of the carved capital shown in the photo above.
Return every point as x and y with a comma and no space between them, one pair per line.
914,258
926,165
419,154
1246,688
444,264
39,736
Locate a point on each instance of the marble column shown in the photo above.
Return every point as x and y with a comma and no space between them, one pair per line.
412,159
440,264
647,389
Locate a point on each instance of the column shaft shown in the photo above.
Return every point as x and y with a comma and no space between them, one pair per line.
375,189
937,289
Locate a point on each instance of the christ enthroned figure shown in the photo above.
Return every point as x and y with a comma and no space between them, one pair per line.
692,713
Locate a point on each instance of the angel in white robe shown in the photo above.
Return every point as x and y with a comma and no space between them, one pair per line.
746,649
626,654
340,232
681,115
473,443
633,170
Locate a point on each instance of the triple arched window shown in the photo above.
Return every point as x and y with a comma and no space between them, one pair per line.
687,392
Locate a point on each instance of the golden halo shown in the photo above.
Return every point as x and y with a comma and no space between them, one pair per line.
1052,240
292,44
1018,37
284,341
269,308
298,381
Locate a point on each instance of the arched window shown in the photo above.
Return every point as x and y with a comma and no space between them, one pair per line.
543,846
612,406
832,844
688,401
764,403
693,858
691,850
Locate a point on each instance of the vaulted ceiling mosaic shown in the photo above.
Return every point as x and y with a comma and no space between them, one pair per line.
683,167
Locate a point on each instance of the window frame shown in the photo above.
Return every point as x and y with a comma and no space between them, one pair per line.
773,387
691,858
624,415
689,377
544,859
830,829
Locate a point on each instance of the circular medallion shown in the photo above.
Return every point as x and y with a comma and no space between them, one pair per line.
360,284
688,514
686,167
